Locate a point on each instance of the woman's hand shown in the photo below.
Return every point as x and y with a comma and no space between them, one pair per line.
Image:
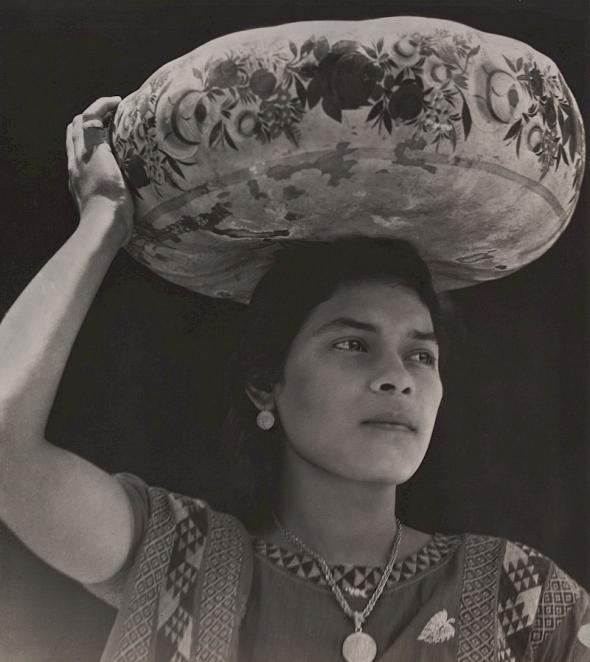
94,175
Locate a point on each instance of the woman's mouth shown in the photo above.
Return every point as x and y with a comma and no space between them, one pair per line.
390,424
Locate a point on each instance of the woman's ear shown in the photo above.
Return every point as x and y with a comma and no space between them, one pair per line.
262,399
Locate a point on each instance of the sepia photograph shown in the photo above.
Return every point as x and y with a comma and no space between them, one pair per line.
295,331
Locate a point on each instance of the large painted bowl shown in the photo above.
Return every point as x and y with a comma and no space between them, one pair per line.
469,145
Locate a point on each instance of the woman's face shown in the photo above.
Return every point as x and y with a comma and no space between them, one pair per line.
361,386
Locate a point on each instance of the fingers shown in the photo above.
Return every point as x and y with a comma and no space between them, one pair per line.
70,148
71,158
93,117
78,137
87,135
86,130
84,136
100,108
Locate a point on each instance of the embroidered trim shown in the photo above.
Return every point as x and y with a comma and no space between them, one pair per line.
219,607
177,597
477,608
558,598
359,580
136,630
523,574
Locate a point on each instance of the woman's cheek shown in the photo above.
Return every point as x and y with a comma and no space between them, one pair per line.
309,396
300,392
431,403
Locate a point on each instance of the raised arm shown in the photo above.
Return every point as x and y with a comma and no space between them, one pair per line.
72,514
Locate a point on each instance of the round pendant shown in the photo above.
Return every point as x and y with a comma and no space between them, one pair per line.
359,647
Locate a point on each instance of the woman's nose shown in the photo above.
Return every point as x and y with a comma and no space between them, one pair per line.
392,377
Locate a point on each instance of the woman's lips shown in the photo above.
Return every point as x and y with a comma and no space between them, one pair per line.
390,425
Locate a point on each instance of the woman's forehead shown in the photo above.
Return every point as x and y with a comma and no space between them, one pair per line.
375,303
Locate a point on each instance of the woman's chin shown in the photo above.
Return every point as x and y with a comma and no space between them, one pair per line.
394,462
385,469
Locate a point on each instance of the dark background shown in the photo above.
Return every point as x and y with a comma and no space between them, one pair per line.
510,455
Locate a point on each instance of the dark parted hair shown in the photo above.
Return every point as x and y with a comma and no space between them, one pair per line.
302,276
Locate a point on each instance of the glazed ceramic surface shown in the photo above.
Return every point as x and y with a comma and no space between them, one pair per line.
470,145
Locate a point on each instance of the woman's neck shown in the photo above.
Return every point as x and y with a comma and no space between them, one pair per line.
346,522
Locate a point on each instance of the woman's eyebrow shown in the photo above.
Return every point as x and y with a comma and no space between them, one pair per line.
423,335
346,322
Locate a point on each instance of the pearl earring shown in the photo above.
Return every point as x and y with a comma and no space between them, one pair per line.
265,419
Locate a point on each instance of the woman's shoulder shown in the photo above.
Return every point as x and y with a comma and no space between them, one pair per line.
539,606
158,511
145,499
521,567
170,532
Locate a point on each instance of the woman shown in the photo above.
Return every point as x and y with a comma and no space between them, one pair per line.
344,388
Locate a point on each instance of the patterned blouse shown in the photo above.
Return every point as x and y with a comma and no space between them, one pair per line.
200,589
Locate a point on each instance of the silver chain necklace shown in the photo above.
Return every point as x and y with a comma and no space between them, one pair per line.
358,646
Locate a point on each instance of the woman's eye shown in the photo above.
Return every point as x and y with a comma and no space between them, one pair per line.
427,358
350,345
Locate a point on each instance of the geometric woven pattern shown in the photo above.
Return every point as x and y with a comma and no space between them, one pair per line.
175,612
524,571
136,631
184,604
558,599
477,608
360,581
219,607
188,585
